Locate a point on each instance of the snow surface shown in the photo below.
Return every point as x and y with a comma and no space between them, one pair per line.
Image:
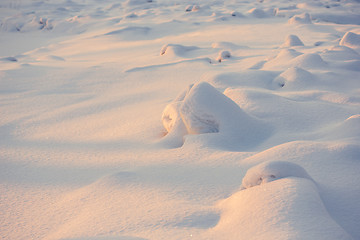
159,119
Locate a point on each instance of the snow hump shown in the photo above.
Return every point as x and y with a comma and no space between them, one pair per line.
351,40
300,19
271,171
203,109
176,50
292,40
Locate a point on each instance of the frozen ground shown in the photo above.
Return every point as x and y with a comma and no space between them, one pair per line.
161,119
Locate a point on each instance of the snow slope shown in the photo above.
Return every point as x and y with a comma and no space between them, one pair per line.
159,119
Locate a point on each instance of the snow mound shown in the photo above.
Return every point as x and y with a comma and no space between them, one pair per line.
351,40
223,55
137,2
309,60
338,18
289,208
205,110
292,40
9,59
271,171
303,18
294,78
192,8
350,128
176,50
226,45
131,33
237,14
25,23
282,59
257,13
340,53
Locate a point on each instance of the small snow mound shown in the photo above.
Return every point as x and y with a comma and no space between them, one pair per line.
351,40
347,129
282,59
294,78
237,14
257,13
292,40
287,54
300,19
223,55
8,59
130,33
176,49
137,2
192,8
271,171
226,45
310,60
25,23
340,53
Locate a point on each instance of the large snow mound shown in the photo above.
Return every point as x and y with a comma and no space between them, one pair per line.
203,109
289,208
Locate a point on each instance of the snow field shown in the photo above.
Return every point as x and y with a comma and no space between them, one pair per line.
147,119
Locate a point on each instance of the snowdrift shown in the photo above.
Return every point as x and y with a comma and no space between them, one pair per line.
278,200
263,141
204,110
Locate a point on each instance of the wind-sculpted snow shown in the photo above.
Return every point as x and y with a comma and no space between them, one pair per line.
303,18
176,50
159,119
288,208
351,40
204,110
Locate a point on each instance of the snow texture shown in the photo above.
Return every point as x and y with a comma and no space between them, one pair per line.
157,119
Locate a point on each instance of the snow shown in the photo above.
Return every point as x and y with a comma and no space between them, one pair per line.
143,119
292,40
271,171
350,39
